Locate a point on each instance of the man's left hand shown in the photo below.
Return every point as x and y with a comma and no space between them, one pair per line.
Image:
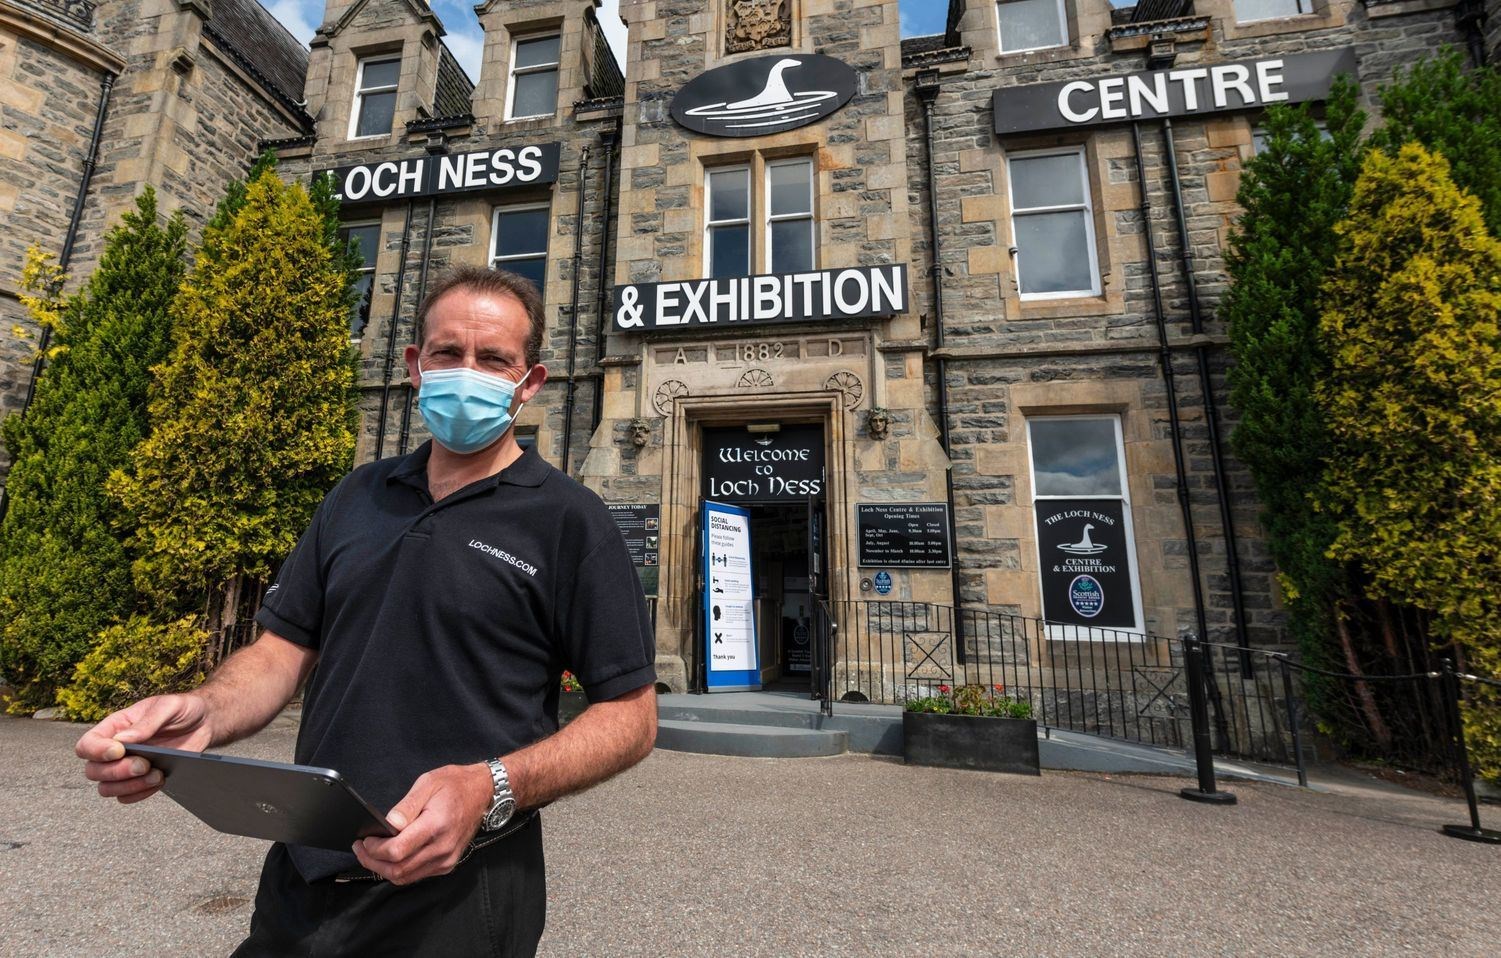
435,822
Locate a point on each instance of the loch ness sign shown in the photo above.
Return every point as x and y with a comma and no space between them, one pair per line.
764,95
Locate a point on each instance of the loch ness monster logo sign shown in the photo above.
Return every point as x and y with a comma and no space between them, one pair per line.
764,95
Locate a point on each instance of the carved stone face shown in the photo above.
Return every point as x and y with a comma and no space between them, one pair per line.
640,432
877,423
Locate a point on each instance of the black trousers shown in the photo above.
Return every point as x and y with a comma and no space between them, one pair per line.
493,904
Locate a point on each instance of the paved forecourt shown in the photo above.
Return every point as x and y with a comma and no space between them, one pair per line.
708,855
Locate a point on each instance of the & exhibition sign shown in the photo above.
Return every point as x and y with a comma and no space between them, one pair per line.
1085,563
764,95
853,293
500,168
1178,91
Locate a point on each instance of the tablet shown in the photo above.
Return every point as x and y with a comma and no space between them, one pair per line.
295,804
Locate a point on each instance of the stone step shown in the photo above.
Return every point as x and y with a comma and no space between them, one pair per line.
749,741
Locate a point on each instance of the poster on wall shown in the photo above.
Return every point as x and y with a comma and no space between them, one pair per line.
730,650
1085,562
640,526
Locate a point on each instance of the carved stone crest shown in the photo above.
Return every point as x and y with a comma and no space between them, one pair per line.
757,25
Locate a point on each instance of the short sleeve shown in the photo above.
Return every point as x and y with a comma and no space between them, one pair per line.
604,630
293,606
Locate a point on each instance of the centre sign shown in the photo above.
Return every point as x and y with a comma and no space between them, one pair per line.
428,175
853,293
1180,91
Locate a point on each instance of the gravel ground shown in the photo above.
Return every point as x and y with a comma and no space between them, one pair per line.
704,855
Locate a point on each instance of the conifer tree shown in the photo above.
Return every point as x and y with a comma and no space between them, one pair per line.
253,415
1412,323
64,571
1293,193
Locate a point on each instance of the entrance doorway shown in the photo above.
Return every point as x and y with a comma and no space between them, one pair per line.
784,580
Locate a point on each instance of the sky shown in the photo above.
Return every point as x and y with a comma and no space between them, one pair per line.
466,40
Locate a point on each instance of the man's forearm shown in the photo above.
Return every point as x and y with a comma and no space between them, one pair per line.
608,738
252,686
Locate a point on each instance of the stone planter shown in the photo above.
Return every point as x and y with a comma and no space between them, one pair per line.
971,741
570,706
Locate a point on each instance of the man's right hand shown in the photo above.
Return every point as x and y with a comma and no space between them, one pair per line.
172,721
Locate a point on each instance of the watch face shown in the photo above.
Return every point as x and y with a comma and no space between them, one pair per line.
500,813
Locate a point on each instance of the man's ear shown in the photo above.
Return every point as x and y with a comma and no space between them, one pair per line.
410,354
534,382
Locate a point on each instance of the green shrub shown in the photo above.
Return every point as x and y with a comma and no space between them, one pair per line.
131,661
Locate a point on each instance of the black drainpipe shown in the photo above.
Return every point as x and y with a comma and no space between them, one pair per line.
607,140
573,309
1211,412
926,87
427,252
385,388
1165,356
106,86
1470,17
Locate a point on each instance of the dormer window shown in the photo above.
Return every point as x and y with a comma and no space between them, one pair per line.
374,97
534,77
1031,24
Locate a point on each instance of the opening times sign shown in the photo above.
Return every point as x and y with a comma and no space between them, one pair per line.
903,535
1086,571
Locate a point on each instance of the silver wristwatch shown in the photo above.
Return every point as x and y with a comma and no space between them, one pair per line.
502,803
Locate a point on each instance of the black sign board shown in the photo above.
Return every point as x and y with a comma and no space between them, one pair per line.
1086,572
764,95
741,466
903,534
499,168
699,304
640,526
1177,91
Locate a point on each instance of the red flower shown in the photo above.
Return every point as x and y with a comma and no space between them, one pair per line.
1000,688
944,689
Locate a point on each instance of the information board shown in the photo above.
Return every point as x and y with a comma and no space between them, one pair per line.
1086,571
730,650
640,526
904,534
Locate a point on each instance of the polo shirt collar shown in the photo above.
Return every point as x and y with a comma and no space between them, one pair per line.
528,470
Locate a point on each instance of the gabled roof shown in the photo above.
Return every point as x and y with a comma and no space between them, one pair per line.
273,56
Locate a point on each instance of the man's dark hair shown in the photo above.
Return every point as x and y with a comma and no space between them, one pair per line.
495,282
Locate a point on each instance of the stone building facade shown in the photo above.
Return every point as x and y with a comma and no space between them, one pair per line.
178,93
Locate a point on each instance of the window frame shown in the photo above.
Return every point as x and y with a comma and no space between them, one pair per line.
1063,32
811,216
360,93
1087,207
492,259
556,67
1234,4
1066,631
747,221
369,267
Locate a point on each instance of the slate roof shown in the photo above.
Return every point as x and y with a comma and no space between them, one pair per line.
275,57
1148,11
915,45
455,90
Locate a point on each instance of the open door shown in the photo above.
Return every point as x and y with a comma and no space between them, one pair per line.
731,654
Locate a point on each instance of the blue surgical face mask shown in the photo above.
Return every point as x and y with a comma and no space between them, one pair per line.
466,410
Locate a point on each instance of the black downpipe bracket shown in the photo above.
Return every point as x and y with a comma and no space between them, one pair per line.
1211,409
427,252
106,87
926,87
607,140
385,388
573,308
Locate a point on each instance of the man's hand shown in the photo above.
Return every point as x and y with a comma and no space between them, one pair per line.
173,721
436,821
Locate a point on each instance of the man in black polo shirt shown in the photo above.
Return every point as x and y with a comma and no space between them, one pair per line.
434,599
